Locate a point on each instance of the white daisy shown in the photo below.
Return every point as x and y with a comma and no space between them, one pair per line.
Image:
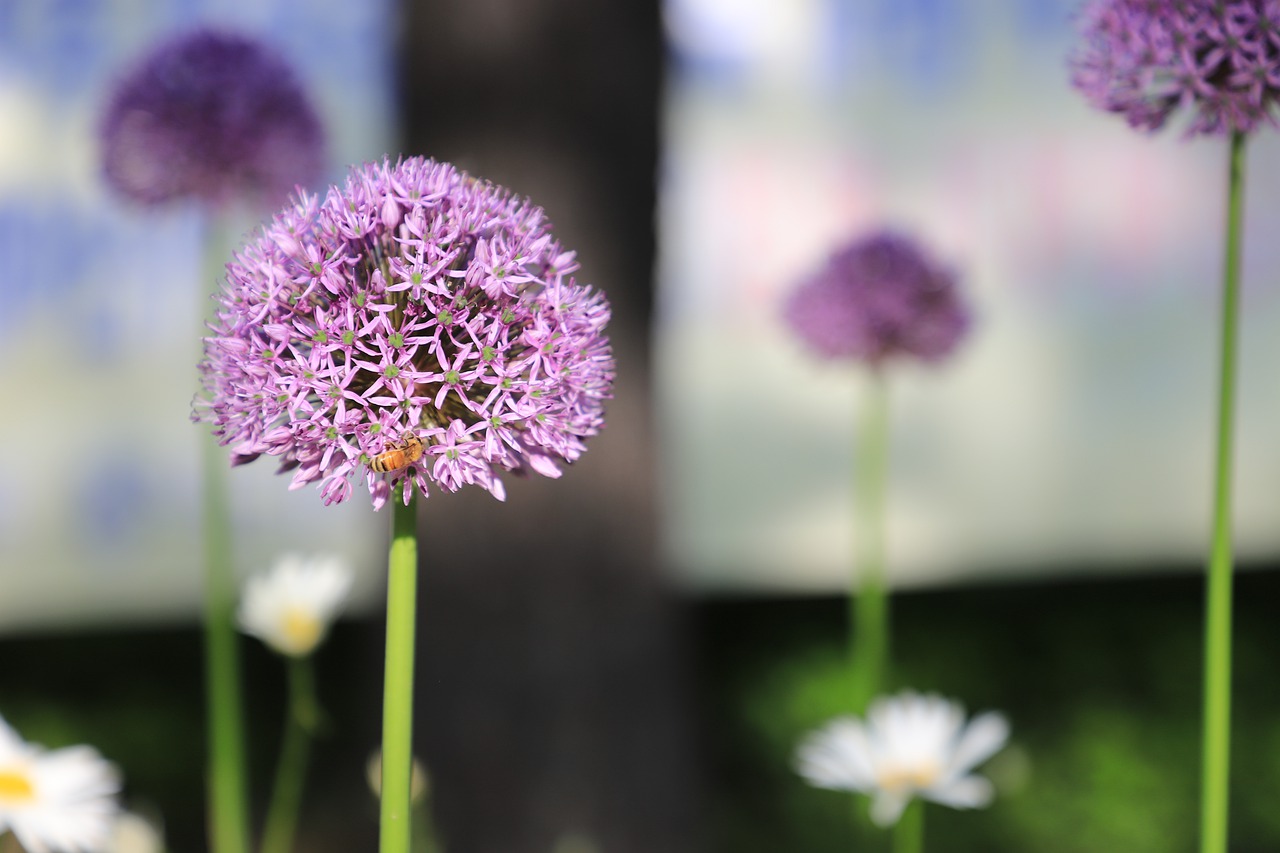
63,801
910,745
291,606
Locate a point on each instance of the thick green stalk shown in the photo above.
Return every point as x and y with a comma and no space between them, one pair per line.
869,606
300,720
1217,629
397,701
908,835
228,801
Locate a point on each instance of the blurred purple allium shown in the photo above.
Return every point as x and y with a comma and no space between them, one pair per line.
212,116
877,298
1217,59
415,301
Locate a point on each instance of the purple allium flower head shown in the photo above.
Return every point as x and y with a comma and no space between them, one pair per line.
415,304
877,298
213,116
1218,59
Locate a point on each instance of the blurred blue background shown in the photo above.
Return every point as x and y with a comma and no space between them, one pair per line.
100,305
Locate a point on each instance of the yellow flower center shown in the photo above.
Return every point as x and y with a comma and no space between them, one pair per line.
15,786
915,778
301,631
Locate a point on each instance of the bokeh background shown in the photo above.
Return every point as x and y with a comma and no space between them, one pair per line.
622,660
101,303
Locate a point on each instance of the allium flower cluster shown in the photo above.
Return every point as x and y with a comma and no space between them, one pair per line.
1217,59
879,297
211,116
417,325
908,746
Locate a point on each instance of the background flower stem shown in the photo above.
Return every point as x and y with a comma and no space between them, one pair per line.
908,835
869,606
228,802
1217,632
301,719
397,702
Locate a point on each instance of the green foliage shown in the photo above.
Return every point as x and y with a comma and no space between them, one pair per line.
1101,682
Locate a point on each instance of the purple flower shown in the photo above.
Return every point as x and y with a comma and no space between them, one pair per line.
1219,60
418,321
879,297
214,116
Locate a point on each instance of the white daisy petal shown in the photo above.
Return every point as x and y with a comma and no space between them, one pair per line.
970,792
837,756
983,738
10,742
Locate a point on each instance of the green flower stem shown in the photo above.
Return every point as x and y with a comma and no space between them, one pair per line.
228,801
869,606
397,702
301,719
1217,629
908,835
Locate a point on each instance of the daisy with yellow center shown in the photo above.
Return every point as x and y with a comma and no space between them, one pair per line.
63,801
908,746
291,607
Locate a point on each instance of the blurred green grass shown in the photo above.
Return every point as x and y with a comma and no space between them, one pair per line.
1100,679
137,697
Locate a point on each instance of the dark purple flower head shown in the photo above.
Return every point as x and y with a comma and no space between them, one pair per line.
1217,59
416,305
212,116
878,298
